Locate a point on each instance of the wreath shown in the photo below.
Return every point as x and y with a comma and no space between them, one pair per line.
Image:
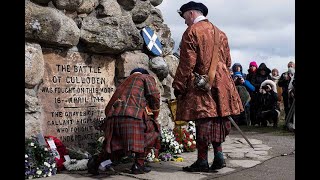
39,160
62,150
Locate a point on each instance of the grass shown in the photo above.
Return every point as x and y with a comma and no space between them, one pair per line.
280,130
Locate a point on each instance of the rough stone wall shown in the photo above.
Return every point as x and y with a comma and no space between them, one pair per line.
75,54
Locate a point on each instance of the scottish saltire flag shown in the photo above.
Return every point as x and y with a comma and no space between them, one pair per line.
152,41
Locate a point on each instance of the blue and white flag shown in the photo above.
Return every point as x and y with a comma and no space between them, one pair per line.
152,41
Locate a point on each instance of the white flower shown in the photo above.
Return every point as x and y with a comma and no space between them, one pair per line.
176,147
25,161
30,177
181,145
101,139
50,170
26,156
49,174
189,143
53,165
191,136
46,149
32,144
39,172
163,140
175,151
46,164
167,140
153,156
194,142
179,151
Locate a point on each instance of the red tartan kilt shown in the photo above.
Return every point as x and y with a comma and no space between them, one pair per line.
130,134
213,129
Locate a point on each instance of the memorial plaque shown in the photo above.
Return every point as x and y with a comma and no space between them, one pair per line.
75,91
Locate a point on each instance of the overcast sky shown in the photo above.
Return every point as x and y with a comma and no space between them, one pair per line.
257,30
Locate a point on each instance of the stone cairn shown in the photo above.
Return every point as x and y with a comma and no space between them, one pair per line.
77,51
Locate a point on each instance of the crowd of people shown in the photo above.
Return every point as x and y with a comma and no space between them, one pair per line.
263,92
206,93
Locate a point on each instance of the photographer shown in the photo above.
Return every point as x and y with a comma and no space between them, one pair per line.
242,86
238,79
268,108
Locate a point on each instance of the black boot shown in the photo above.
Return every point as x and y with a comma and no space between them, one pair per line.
218,162
198,166
138,169
93,165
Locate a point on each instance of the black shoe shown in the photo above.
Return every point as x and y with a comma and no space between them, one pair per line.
93,172
198,166
218,164
93,165
137,169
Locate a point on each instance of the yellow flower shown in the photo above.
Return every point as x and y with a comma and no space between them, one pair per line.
180,159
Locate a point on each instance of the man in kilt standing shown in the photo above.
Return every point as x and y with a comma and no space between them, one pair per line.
130,125
209,109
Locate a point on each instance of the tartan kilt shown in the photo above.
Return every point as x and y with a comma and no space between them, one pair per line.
130,134
212,129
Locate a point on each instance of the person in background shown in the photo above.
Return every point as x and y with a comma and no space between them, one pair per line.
291,64
267,107
291,91
242,86
263,73
237,67
284,83
130,126
252,72
209,109
275,76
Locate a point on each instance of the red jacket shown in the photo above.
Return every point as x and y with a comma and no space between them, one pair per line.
195,56
139,91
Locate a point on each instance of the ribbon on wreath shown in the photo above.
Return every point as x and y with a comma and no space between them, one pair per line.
58,149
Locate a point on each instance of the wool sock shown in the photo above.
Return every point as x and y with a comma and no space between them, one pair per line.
217,149
202,147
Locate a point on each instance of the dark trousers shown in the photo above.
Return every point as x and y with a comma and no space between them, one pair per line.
269,115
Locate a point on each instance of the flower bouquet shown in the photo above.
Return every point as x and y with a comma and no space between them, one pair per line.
169,143
39,160
186,137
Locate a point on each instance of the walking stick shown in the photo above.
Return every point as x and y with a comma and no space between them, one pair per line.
291,111
235,125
